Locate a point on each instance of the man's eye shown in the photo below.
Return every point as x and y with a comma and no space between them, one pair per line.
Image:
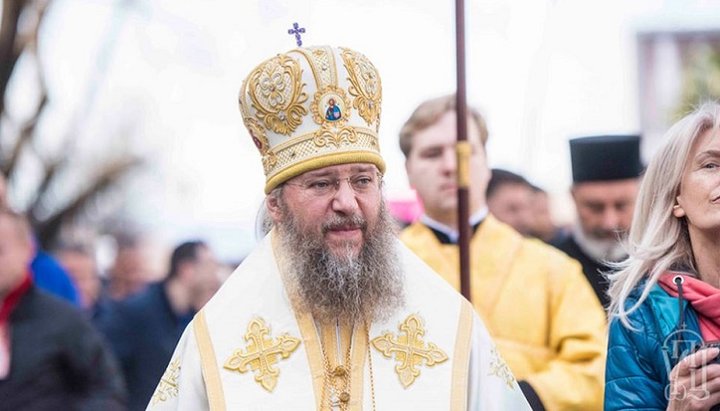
710,165
320,184
362,181
595,208
431,154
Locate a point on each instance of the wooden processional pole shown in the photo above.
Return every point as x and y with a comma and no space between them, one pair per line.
463,153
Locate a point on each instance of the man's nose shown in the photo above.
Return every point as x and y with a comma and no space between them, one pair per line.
610,219
344,200
448,161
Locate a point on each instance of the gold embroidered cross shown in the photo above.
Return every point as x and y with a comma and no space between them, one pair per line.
168,386
409,349
261,354
500,369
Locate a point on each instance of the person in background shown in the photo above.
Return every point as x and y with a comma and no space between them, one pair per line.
538,306
543,226
509,199
130,272
45,270
79,261
665,296
51,358
606,175
144,328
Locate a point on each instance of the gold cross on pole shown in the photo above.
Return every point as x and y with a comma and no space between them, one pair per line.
409,349
261,354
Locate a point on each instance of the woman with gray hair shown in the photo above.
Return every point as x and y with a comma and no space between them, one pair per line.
666,294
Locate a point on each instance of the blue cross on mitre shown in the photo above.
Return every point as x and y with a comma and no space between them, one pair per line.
296,30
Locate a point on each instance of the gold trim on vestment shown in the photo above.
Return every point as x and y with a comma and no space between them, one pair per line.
213,384
461,359
359,354
311,341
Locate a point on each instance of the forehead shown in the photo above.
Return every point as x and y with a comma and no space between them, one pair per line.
341,169
709,140
204,253
607,191
513,189
444,132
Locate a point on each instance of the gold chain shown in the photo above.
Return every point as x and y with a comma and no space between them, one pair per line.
332,377
372,380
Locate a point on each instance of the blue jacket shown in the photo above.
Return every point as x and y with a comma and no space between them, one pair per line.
639,361
143,331
49,275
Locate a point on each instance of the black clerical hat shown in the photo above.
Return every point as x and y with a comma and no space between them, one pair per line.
602,158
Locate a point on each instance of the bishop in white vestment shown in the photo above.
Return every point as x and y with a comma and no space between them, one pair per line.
330,311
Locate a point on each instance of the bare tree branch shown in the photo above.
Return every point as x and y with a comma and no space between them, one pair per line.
25,43
25,138
8,33
22,21
109,176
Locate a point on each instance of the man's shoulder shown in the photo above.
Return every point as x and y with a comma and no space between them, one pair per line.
40,306
42,300
539,253
150,295
563,242
537,247
414,234
419,277
250,284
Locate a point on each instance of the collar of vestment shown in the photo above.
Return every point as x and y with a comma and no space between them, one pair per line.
448,235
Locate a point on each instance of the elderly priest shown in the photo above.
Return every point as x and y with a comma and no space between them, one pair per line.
330,311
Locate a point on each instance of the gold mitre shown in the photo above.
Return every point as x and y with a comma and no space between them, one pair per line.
313,107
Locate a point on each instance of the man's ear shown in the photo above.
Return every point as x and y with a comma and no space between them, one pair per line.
272,202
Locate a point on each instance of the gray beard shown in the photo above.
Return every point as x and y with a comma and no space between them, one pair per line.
351,288
599,249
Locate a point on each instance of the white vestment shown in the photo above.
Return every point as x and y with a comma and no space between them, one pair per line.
247,349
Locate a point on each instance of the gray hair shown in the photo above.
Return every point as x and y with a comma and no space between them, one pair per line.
657,240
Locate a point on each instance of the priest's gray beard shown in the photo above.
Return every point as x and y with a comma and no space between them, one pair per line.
350,288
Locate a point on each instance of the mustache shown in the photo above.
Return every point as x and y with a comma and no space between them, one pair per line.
604,234
352,222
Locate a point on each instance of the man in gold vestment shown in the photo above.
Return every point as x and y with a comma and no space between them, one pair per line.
535,301
330,311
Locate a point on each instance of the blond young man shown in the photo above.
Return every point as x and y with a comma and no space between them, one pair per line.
537,305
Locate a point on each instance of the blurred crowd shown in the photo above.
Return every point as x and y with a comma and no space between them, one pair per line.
76,336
